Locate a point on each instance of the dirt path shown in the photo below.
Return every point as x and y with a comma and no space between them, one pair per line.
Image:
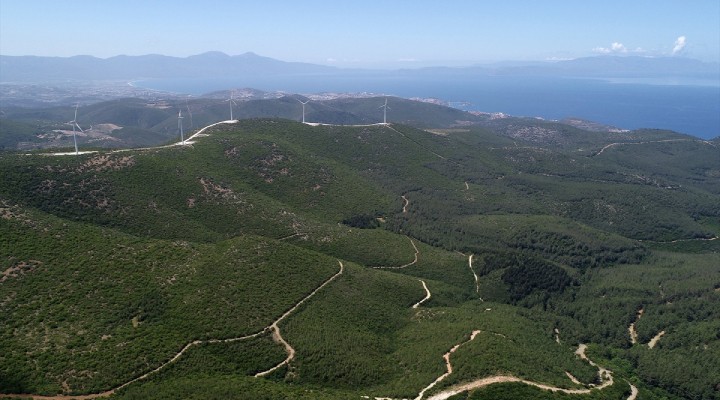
448,365
417,253
557,335
633,392
477,281
427,295
605,376
406,204
651,141
272,327
631,328
573,378
276,329
655,339
412,140
467,187
683,240
186,142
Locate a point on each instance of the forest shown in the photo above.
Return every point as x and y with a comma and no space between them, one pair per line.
271,259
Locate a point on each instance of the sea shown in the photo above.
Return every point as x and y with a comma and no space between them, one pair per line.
686,106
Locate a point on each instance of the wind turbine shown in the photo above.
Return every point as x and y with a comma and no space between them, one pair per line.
231,101
180,126
385,108
75,124
303,106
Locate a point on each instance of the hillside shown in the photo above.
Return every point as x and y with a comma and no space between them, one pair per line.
275,259
134,122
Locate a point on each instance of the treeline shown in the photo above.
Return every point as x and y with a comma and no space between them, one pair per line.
362,221
566,249
525,275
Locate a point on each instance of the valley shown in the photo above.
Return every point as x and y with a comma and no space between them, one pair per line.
267,258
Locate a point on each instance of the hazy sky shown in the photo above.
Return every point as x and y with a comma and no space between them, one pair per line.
367,33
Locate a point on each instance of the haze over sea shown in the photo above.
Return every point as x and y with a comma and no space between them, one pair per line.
686,106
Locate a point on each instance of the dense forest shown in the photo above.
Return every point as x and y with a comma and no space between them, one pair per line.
272,259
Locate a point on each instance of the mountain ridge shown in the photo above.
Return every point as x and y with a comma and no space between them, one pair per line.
212,63
84,67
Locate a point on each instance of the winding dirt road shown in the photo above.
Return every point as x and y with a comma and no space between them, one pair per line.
427,295
272,327
651,141
631,328
413,262
182,143
633,392
605,376
683,240
654,340
448,365
477,281
276,329
406,204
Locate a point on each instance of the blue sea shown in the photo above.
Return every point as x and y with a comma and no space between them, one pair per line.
691,107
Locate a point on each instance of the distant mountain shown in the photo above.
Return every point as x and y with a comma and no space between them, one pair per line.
25,69
211,64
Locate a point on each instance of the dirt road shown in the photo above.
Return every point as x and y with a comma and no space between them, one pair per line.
427,295
272,327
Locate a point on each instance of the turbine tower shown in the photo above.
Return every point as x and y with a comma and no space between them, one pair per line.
74,125
385,108
180,127
303,106
231,101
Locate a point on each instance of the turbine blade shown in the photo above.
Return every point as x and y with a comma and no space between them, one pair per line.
78,126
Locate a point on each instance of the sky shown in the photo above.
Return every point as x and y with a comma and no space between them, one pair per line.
367,33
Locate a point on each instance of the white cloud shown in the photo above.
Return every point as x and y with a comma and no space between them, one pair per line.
615,47
680,44
618,48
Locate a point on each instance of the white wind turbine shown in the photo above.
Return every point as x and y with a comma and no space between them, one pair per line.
74,125
231,101
303,106
180,127
385,108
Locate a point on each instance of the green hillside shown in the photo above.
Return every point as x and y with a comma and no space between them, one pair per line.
133,122
271,259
